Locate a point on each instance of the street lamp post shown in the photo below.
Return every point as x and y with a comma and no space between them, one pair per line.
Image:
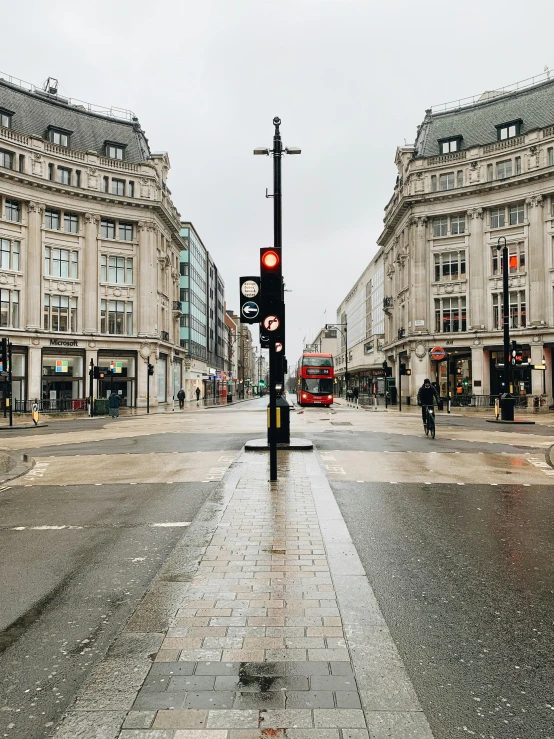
505,413
276,374
344,334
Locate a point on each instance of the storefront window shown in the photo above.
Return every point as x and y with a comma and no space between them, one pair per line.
119,376
62,378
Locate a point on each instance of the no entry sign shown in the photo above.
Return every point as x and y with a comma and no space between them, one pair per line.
437,353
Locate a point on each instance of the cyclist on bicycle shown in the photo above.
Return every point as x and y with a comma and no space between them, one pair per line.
426,396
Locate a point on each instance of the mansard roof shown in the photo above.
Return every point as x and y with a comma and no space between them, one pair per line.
477,123
34,112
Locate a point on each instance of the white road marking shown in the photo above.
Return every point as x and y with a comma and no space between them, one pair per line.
170,524
165,525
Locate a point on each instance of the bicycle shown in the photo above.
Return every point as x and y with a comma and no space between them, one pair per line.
429,422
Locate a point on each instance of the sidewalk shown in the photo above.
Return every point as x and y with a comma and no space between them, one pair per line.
261,624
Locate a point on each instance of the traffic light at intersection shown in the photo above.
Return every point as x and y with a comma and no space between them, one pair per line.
272,316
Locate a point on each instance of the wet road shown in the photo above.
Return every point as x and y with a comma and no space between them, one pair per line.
455,536
81,538
461,571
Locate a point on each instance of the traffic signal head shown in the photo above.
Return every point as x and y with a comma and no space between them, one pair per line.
271,275
150,369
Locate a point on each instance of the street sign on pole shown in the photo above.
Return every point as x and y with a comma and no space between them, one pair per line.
250,299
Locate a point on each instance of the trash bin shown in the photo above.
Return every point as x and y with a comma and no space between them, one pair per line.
507,405
229,398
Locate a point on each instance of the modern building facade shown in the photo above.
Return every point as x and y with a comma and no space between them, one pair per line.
90,245
480,174
361,332
203,335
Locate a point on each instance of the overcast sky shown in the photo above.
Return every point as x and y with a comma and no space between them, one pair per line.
350,79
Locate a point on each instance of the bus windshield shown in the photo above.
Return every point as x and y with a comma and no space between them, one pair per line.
317,362
325,387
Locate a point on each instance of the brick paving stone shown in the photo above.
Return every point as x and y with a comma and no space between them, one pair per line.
180,719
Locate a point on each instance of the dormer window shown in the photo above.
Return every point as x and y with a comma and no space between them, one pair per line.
508,130
58,136
6,118
448,146
114,150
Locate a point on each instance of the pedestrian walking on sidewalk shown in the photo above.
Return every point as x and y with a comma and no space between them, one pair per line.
355,393
181,399
197,394
114,403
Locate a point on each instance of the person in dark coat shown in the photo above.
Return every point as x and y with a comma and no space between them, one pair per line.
181,399
114,403
427,395
197,394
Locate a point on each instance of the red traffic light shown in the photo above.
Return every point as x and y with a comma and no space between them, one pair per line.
270,259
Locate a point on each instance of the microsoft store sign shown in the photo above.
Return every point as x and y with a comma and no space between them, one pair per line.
58,342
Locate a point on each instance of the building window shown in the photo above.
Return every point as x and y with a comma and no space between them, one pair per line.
450,266
13,210
517,309
61,262
5,119
107,229
118,187
71,223
125,231
457,225
516,214
446,181
498,217
508,130
440,227
131,189
60,313
504,169
51,172
116,270
114,151
6,159
516,259
116,317
77,178
22,163
106,184
9,308
450,315
489,173
447,146
52,219
61,138
63,176
434,183
518,165
9,254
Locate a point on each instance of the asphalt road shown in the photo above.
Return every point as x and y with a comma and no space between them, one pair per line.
462,573
76,559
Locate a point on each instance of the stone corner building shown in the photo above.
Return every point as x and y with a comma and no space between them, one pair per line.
89,251
479,170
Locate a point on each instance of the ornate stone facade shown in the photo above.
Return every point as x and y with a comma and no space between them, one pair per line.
93,250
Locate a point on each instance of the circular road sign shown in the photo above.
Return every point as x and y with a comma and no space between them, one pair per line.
278,346
250,309
271,323
249,289
437,353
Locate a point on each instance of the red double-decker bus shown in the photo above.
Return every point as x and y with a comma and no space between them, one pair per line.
315,379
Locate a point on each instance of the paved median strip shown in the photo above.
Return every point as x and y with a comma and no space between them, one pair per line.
275,631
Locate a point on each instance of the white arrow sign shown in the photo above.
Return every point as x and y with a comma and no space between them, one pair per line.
250,309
